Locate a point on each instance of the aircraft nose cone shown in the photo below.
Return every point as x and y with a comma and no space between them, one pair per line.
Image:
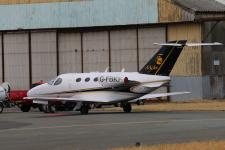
30,93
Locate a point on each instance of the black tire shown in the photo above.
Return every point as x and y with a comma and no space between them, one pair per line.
84,109
40,108
25,108
51,108
45,108
127,108
1,107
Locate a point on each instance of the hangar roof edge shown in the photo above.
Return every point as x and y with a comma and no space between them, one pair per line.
201,6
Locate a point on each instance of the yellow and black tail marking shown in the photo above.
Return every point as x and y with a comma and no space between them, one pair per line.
163,61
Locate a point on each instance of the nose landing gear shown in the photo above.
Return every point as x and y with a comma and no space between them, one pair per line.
84,109
127,107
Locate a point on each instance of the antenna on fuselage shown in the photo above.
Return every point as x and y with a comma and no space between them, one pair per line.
107,69
123,70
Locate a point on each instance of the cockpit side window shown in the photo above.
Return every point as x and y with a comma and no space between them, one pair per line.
51,81
78,79
58,81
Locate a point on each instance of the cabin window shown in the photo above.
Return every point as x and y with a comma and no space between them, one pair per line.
87,79
96,79
78,80
58,81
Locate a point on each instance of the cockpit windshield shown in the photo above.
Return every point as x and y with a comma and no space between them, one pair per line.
51,81
58,81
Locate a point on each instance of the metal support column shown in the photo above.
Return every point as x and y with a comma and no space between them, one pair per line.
3,58
57,52
109,39
137,34
30,58
82,52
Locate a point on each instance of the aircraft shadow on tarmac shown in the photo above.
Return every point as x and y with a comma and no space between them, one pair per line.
64,114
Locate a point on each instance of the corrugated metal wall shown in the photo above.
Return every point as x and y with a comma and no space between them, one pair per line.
87,13
189,63
96,51
217,83
213,64
33,1
124,50
43,47
69,52
16,60
214,31
169,12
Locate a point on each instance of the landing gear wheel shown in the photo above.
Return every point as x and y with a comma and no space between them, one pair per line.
40,107
25,108
45,108
84,109
51,108
1,107
127,108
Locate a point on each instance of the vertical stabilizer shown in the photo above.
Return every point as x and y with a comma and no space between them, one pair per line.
163,61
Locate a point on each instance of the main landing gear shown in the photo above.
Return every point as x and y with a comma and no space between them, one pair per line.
49,108
1,107
84,109
127,107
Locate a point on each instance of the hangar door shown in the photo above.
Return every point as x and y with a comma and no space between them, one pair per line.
124,50
16,60
69,53
146,39
43,47
95,51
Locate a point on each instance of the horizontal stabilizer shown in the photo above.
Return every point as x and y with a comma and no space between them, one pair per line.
153,85
204,44
189,44
168,44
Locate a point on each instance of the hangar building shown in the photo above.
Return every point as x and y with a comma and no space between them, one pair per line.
43,38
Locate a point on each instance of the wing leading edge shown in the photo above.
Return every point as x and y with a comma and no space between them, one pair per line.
157,95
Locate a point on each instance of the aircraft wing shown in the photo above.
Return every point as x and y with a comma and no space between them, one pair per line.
92,97
157,95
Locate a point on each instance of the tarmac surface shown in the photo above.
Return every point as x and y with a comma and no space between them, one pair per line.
104,130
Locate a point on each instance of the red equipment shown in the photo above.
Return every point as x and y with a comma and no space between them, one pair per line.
17,96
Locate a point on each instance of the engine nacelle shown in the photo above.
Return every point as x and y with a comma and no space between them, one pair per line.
140,89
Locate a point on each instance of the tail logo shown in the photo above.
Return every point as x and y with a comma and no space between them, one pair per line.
159,60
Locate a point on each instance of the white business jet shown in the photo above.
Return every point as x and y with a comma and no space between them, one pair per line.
112,88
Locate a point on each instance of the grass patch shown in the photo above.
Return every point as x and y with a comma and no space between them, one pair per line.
209,145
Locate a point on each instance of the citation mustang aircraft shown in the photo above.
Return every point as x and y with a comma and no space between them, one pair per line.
112,88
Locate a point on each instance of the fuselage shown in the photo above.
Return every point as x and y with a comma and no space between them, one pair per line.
112,84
